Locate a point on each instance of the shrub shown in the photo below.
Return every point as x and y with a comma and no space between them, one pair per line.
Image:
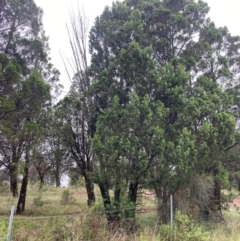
67,198
37,201
184,230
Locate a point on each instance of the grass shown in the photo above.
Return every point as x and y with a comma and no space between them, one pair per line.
230,231
47,219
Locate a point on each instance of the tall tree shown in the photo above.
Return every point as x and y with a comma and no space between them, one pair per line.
76,137
171,52
27,81
127,142
78,107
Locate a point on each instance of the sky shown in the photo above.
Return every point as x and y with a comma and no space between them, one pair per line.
222,12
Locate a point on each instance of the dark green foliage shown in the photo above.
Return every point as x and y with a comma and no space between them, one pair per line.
27,79
184,229
164,81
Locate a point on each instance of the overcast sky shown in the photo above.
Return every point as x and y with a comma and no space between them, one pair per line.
223,13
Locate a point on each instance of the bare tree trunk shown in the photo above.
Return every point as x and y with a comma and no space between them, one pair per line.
41,181
58,180
238,182
57,175
132,192
130,214
13,180
217,197
90,191
23,192
13,172
105,195
163,204
112,217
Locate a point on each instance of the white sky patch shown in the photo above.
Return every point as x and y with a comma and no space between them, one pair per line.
222,12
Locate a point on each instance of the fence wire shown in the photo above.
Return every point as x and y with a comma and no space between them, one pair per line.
83,222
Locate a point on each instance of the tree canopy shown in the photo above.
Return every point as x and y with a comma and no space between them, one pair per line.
157,105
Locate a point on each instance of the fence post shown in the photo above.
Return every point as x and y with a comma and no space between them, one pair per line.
171,216
10,224
171,211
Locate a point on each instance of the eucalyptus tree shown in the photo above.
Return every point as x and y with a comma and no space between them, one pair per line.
77,109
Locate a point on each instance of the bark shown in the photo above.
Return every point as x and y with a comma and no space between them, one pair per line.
117,194
13,180
23,192
57,175
11,35
41,177
217,197
130,214
238,182
163,205
13,172
58,180
105,195
132,192
90,191
41,181
112,217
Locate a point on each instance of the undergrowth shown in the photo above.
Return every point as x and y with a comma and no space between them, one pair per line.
57,214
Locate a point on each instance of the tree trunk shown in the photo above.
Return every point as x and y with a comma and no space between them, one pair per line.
238,182
163,204
41,181
105,195
214,209
90,191
112,216
23,192
132,192
130,214
13,180
217,197
57,176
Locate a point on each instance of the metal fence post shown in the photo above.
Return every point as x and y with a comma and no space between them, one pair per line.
10,224
171,216
171,211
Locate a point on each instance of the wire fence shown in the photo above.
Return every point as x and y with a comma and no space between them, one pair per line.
93,225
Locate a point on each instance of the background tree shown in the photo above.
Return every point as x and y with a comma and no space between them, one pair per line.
76,138
28,79
78,108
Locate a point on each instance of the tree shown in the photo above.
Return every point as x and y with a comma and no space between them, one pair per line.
56,153
76,137
78,108
27,80
21,22
20,129
127,142
172,53
22,37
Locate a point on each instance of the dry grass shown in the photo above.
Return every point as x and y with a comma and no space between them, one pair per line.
55,222
230,231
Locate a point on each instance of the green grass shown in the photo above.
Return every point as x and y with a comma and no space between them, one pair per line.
47,219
